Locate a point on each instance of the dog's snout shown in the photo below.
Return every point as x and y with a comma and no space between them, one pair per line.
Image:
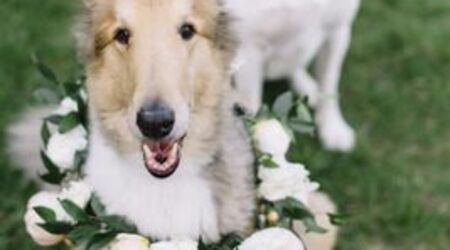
155,120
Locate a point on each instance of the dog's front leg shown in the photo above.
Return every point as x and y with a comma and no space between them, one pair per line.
250,78
303,83
232,179
334,131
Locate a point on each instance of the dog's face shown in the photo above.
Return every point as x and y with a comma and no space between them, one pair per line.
156,70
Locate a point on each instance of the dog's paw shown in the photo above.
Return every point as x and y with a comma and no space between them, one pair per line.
334,132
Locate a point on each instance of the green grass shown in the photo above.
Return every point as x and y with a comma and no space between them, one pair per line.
395,91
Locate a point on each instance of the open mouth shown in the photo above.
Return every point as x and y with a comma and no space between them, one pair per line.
162,158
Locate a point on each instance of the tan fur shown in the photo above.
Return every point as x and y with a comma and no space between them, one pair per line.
121,78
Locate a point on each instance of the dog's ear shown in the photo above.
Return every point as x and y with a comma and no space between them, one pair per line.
82,30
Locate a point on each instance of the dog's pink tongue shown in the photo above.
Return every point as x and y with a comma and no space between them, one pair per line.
161,159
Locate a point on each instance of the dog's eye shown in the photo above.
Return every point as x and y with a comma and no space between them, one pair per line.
187,31
123,36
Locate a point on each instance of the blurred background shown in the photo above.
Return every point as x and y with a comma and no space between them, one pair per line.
395,91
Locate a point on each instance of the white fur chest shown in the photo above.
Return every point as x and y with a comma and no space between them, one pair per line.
181,206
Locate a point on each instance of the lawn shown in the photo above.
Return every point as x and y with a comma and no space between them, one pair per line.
395,91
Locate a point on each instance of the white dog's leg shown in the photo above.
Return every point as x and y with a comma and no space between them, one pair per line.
304,84
250,79
334,131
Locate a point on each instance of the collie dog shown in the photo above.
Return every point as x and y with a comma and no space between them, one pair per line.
167,151
280,39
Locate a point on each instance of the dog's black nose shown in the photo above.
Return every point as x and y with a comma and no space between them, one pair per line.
155,120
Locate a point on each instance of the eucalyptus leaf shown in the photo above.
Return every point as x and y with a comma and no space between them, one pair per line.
53,175
69,122
47,72
312,226
80,159
267,161
97,206
117,223
83,234
296,210
304,113
339,219
77,213
101,240
264,111
302,127
71,88
47,214
55,119
82,111
228,242
45,133
283,105
57,227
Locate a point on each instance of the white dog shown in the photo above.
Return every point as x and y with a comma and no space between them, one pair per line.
280,38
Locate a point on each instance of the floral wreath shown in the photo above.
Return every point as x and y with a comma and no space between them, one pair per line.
75,216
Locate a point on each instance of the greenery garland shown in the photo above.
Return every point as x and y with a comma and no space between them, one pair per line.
77,217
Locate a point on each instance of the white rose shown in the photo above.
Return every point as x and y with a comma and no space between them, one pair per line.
61,148
287,180
79,192
66,106
271,137
32,219
273,239
129,242
175,245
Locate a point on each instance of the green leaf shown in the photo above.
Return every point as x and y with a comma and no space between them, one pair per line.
296,210
312,226
45,133
69,122
267,161
228,242
118,223
74,210
47,214
231,240
49,165
80,159
264,112
53,175
82,111
45,70
339,219
302,127
55,119
57,227
101,240
283,105
97,206
71,88
83,233
304,113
